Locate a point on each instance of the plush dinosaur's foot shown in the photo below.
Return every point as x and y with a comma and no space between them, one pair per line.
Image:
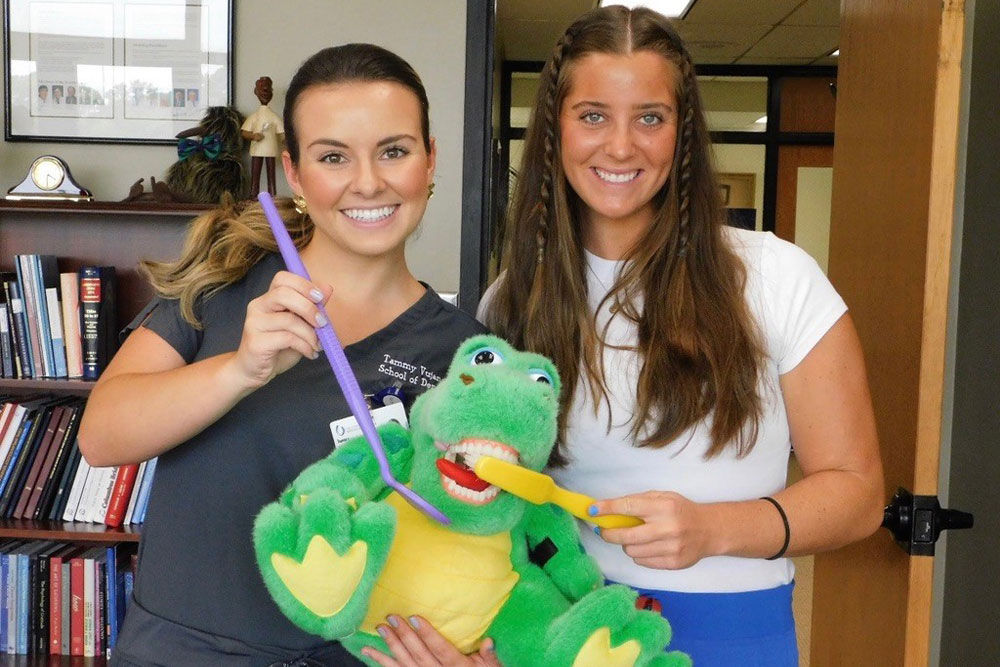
604,628
320,558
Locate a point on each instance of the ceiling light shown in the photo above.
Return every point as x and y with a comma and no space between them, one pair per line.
671,8
835,53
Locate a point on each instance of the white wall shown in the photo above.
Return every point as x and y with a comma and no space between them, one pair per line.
814,192
272,39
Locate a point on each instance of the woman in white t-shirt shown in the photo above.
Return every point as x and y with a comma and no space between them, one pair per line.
693,355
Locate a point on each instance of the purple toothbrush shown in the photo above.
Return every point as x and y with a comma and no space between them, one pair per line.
338,362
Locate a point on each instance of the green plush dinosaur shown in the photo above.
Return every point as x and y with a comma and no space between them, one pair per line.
340,550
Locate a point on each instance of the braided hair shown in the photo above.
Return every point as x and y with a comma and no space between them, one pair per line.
699,346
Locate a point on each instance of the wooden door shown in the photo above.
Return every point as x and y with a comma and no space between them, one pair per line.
893,198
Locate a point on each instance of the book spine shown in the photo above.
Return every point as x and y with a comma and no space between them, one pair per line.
23,602
90,308
55,605
22,363
120,494
144,492
65,484
76,606
56,332
66,605
6,347
40,636
102,497
83,471
136,487
70,284
4,587
89,615
31,330
12,568
42,315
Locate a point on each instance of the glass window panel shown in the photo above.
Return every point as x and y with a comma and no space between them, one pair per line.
741,166
735,103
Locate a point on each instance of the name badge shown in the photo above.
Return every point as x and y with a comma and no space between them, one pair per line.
348,427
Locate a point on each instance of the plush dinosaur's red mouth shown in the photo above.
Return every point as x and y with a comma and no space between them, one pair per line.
456,468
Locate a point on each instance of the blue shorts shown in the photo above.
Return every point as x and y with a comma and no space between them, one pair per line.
752,629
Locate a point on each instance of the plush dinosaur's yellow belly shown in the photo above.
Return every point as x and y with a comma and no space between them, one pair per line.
456,581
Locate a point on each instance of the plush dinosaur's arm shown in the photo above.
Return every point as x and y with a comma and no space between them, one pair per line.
553,543
352,469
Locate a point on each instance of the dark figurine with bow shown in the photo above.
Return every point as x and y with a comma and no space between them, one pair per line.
209,160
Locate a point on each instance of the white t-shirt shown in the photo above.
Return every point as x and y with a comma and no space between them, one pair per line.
794,305
269,124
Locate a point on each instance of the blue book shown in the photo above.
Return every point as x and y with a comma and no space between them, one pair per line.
28,360
10,645
23,602
4,581
42,314
16,449
139,513
111,593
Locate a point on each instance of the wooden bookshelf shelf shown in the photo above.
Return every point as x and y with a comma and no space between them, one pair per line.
60,531
50,661
65,387
103,207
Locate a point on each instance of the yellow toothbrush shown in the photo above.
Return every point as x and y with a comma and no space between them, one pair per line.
538,488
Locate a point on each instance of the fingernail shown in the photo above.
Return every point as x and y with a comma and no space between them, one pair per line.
491,646
592,510
393,621
382,631
414,622
315,295
315,355
597,531
320,320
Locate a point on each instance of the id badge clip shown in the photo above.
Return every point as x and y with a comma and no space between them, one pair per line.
347,428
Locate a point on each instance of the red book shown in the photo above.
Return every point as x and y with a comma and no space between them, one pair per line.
120,493
76,606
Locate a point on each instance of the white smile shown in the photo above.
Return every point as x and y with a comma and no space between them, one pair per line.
370,214
468,452
614,177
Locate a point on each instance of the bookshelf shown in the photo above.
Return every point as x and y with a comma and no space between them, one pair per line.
81,234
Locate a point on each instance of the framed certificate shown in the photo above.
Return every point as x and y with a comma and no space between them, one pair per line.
114,71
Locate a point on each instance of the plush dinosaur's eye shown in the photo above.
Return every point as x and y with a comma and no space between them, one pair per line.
484,356
538,375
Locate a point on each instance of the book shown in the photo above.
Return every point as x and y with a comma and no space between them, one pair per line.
70,289
76,567
7,277
58,508
46,275
6,345
28,558
76,490
22,361
45,471
62,458
42,447
135,492
55,620
121,492
38,637
56,331
21,465
66,600
144,492
6,592
17,435
98,318
24,265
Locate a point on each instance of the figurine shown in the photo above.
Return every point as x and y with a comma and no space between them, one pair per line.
265,131
211,165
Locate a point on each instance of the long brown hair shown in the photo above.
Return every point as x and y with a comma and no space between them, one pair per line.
223,244
700,348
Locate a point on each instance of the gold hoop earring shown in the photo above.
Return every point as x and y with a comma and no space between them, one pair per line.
300,204
430,190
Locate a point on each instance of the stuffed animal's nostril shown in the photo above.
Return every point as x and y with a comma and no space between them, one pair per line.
466,379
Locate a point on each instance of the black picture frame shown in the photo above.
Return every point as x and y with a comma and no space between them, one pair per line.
128,73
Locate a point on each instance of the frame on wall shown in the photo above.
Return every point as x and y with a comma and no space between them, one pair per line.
119,71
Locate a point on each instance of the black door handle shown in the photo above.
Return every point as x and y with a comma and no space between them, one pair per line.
916,522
